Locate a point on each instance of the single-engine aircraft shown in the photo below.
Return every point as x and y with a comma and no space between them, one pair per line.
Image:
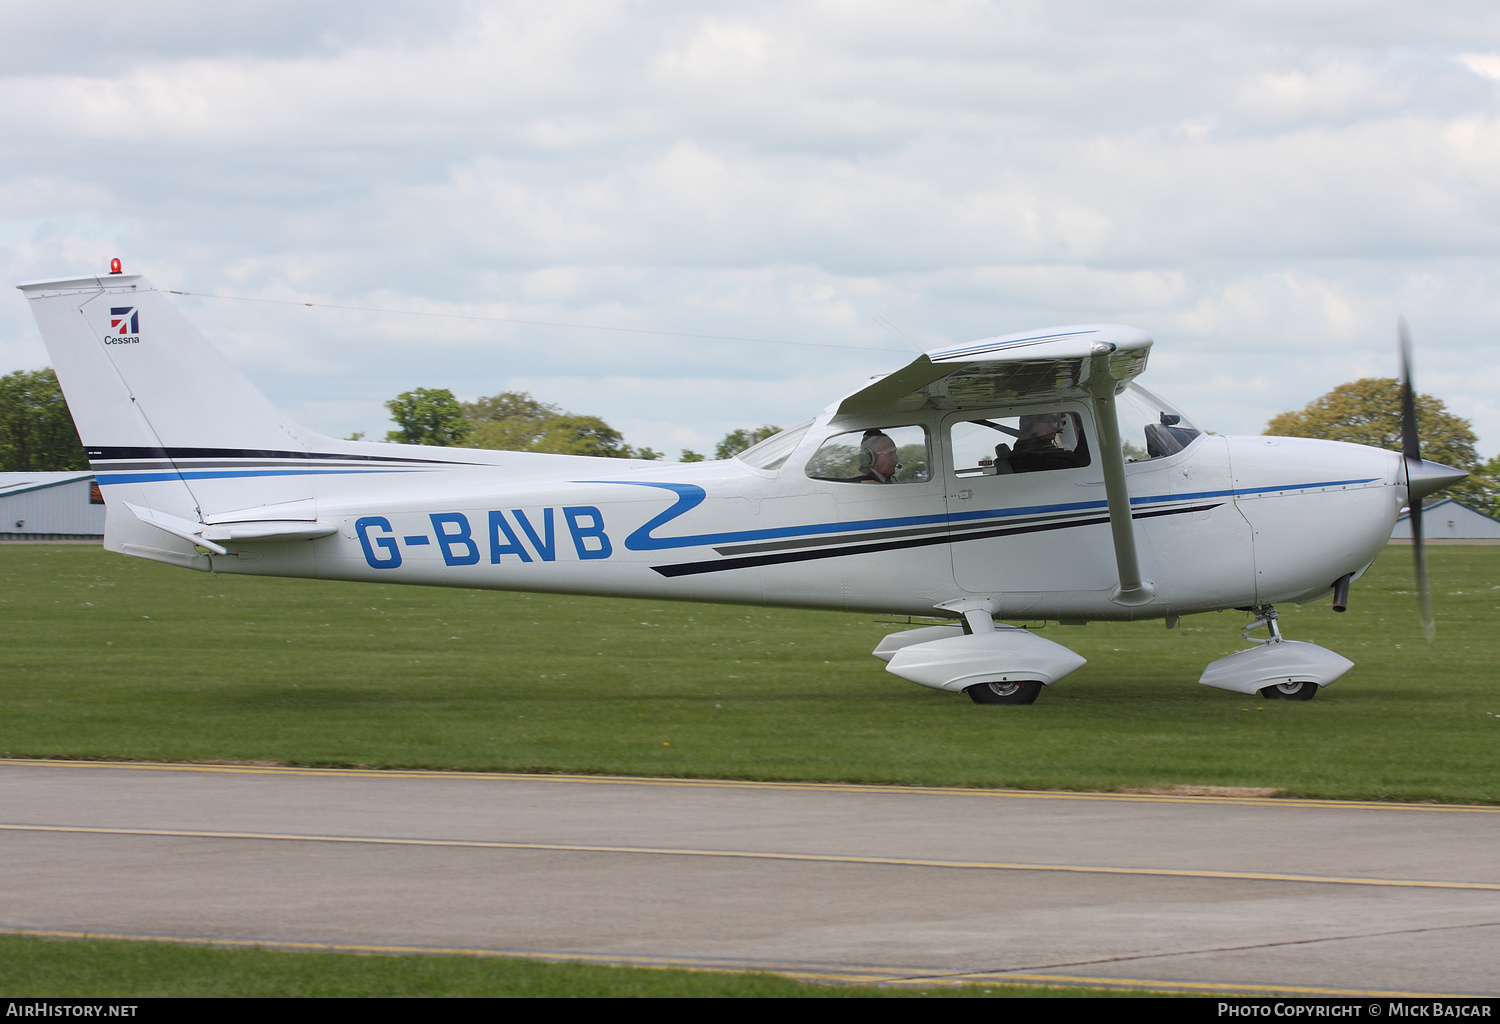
1025,477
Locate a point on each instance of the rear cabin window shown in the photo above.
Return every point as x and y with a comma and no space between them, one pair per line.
1032,443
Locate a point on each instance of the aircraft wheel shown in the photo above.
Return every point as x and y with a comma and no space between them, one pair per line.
1290,691
1004,693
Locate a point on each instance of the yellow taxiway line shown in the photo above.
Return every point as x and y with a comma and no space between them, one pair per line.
816,858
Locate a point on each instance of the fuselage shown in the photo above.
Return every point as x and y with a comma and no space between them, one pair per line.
977,471
1222,523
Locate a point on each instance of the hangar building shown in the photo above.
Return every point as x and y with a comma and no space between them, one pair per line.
50,506
1452,521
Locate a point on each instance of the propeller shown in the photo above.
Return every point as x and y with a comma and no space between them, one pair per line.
1411,451
1422,477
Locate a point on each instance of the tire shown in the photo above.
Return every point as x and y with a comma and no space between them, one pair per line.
1290,691
1004,693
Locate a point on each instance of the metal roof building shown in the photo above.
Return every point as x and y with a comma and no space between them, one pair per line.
50,506
1450,520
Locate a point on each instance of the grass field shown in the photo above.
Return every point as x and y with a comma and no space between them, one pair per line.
32,968
103,656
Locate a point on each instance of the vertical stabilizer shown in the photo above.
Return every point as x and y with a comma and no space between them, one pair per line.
160,411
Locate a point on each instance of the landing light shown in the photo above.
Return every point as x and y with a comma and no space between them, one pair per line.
114,265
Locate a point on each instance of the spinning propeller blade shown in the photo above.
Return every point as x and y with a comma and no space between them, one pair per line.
1411,449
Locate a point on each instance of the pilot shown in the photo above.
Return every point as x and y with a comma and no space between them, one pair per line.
877,459
1038,448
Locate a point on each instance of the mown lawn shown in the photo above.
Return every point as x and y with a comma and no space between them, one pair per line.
32,968
103,656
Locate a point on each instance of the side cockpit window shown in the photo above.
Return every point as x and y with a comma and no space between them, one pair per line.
1029,443
875,455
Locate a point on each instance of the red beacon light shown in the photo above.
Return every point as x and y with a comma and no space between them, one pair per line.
114,265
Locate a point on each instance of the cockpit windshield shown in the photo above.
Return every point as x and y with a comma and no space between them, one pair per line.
773,451
1150,427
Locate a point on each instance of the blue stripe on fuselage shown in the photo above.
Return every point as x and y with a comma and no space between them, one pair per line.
690,496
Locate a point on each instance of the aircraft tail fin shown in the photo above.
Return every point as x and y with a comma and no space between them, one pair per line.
166,420
189,455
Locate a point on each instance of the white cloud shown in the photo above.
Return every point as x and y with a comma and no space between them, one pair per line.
1263,186
1485,65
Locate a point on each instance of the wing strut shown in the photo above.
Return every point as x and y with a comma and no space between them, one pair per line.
1101,387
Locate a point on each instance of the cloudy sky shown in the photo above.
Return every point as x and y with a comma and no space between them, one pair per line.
1262,186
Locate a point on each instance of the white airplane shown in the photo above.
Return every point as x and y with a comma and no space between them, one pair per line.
1025,477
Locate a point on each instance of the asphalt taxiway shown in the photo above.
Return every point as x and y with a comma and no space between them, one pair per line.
853,883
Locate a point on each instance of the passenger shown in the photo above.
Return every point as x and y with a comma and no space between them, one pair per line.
1038,448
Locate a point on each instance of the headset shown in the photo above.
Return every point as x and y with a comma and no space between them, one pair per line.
867,451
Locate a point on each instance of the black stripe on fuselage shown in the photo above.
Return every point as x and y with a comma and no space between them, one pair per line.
155,455
947,529
782,557
160,465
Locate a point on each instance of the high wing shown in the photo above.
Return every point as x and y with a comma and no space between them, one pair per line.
1057,363
1093,362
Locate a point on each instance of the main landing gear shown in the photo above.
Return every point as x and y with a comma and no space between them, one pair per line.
1004,693
999,664
993,664
1277,669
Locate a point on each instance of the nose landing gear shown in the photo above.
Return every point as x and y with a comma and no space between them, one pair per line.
1276,669
1265,615
1290,691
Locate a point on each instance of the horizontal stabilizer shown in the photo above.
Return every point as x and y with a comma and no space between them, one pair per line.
242,533
215,537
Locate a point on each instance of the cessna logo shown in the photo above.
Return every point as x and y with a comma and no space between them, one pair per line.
126,320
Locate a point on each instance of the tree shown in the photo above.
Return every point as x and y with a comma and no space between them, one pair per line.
583,435
688,455
36,430
428,416
1368,411
737,441
514,421
511,421
1482,489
